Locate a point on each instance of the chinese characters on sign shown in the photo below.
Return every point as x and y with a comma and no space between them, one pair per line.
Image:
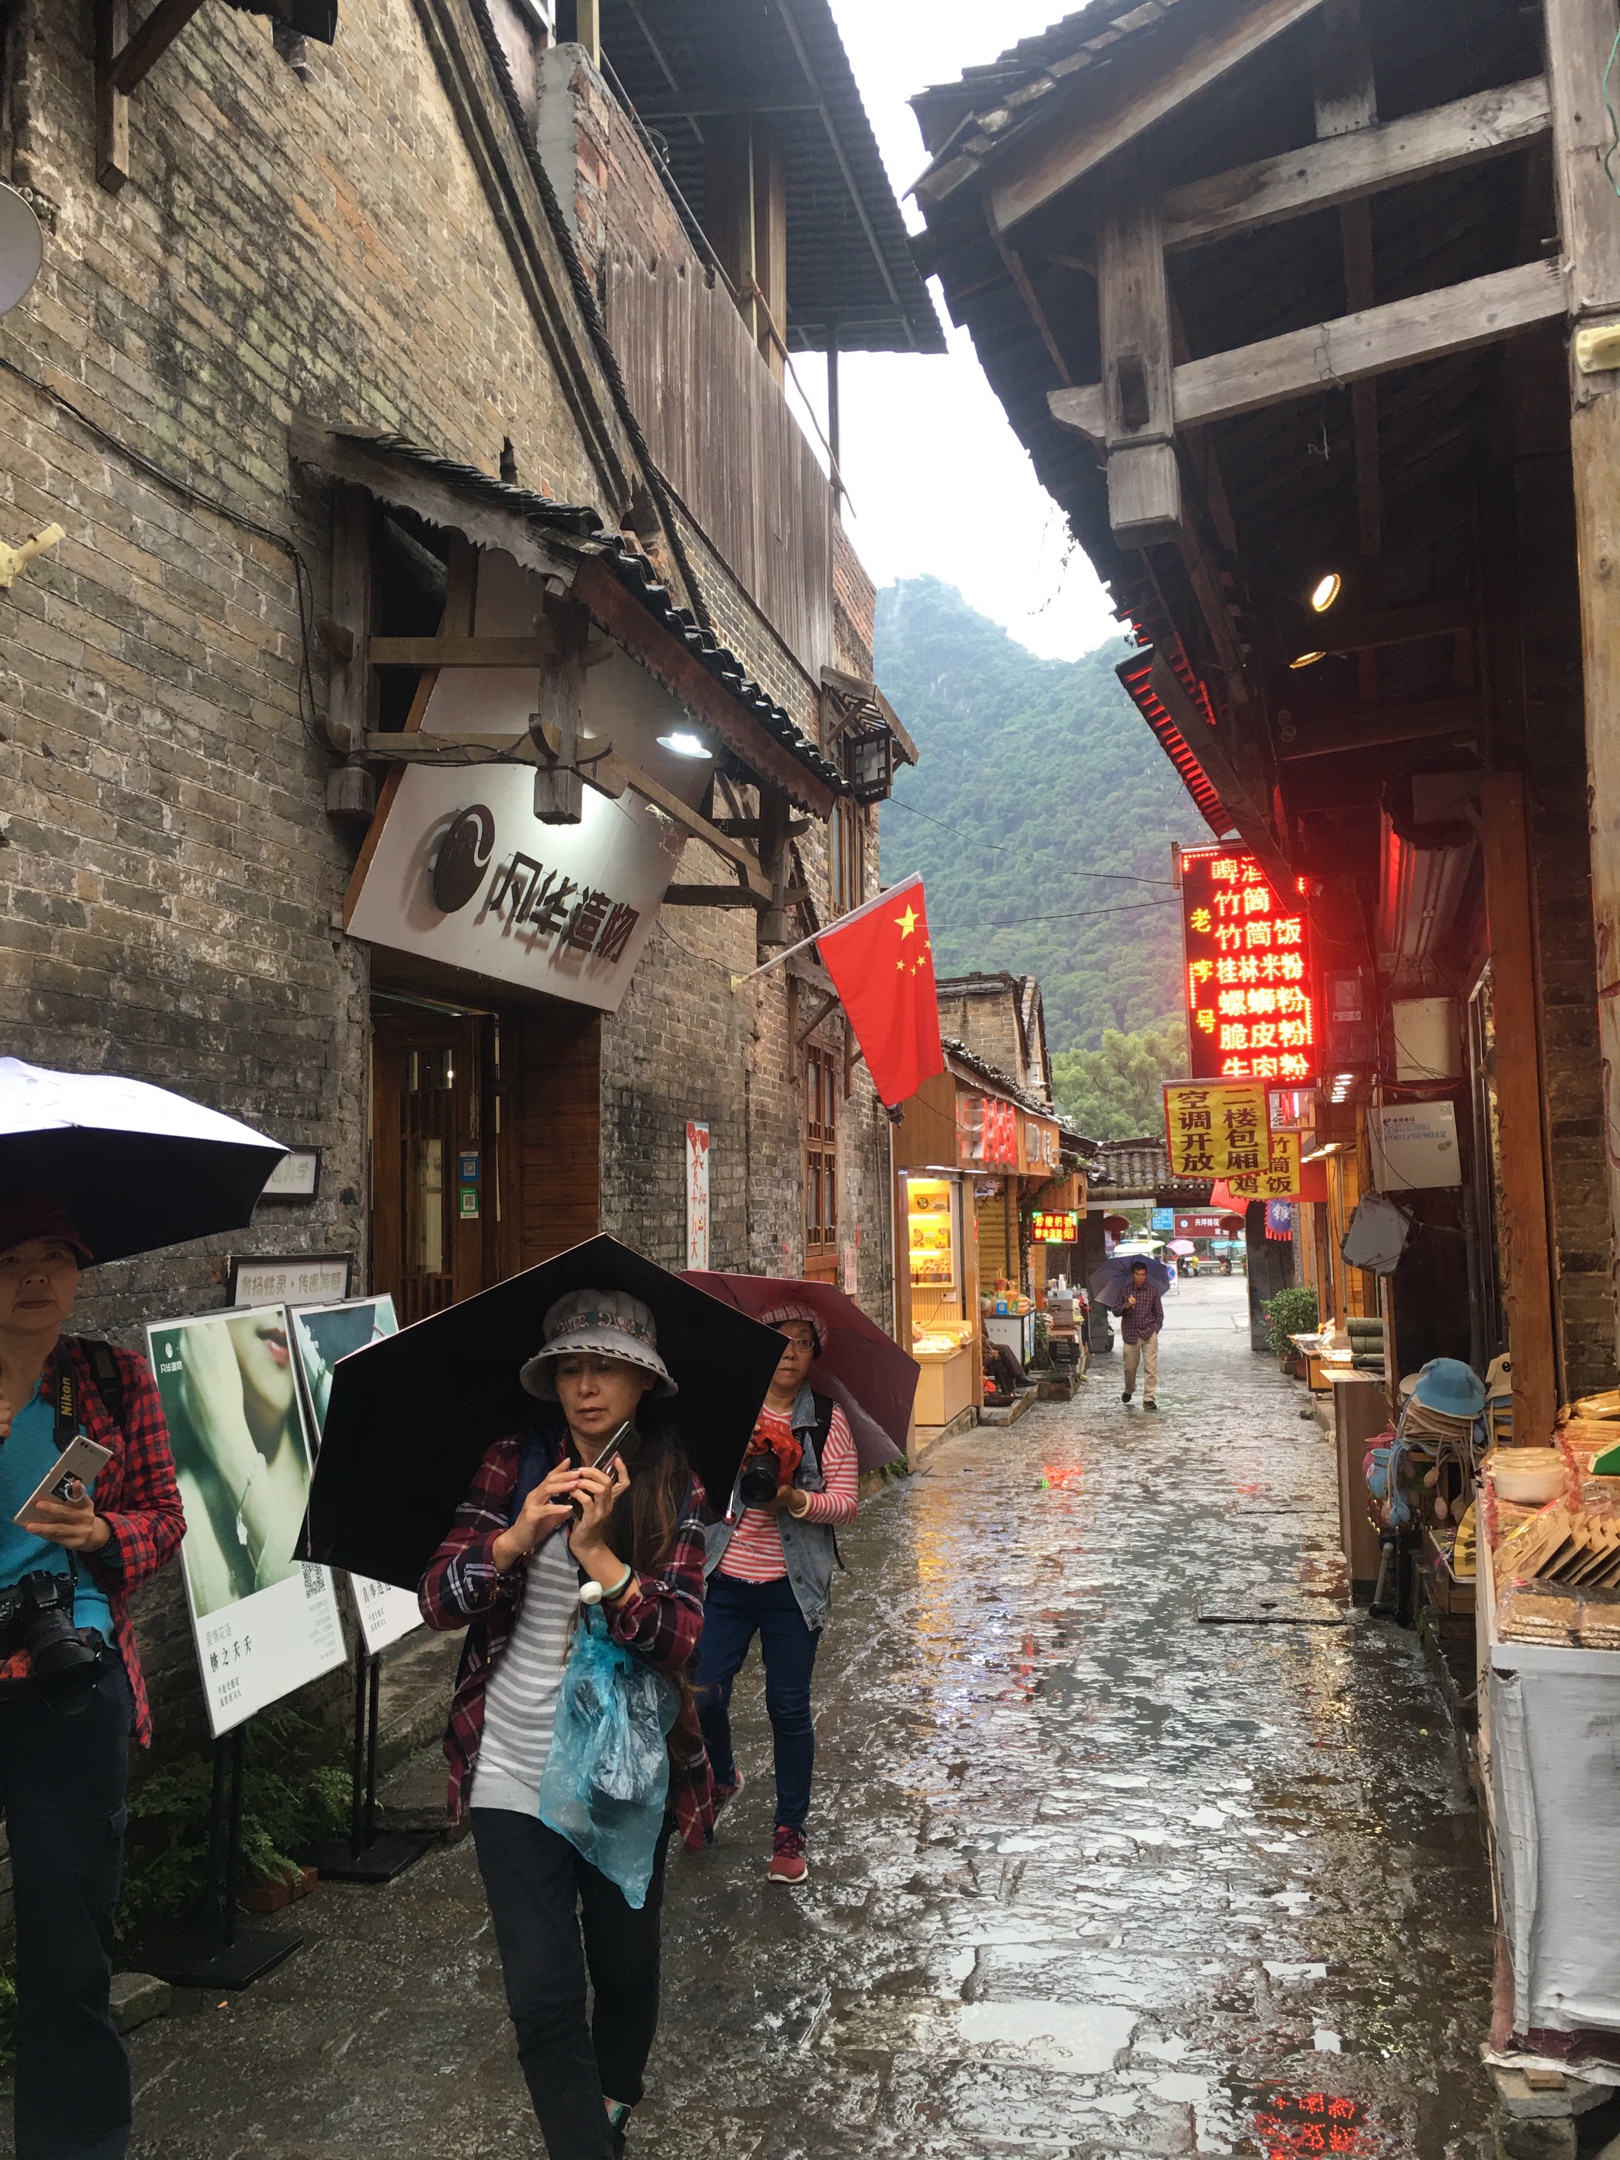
1251,1008
1054,1227
697,1194
542,903
1221,1131
986,1130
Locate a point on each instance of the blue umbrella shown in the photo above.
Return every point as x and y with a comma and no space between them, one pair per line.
1111,1283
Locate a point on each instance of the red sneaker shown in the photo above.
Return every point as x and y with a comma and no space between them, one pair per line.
788,1863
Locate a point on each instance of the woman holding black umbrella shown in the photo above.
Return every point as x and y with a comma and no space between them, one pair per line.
541,1534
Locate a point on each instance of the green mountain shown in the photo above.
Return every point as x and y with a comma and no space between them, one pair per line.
1039,797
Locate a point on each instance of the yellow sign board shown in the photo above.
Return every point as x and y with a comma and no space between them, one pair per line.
1219,1129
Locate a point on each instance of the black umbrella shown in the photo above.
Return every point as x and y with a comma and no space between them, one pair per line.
410,1417
134,1166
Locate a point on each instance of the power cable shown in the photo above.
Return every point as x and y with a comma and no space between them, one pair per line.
1117,876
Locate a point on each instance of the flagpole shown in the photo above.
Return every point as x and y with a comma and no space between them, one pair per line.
867,907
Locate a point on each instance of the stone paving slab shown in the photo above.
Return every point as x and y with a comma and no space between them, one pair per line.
1091,1880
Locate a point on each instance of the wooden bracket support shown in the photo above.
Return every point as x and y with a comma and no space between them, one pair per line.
112,106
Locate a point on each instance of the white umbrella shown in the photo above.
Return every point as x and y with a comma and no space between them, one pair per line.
134,1166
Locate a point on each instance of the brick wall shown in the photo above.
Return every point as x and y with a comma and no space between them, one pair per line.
167,871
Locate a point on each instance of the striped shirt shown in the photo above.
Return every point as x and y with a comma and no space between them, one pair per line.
520,1702
755,1553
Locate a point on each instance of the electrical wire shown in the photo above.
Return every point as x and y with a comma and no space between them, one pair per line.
303,584
1614,123
1079,915
1116,876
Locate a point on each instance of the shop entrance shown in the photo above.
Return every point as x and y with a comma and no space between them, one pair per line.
428,1243
485,1143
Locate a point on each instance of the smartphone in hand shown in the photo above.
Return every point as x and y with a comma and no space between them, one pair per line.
80,1460
605,1460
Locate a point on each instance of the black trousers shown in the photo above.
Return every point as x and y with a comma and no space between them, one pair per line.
540,1895
62,1789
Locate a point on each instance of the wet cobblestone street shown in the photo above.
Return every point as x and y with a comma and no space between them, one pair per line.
1092,1876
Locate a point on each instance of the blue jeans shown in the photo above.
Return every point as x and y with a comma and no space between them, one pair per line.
733,1613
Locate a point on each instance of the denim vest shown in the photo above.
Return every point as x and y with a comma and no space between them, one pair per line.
808,1547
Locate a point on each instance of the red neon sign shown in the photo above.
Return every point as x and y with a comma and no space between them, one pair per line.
1249,983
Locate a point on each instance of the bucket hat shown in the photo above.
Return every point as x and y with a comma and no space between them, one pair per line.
795,1309
1450,1387
597,1323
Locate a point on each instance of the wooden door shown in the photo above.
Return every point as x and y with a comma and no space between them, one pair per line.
429,1205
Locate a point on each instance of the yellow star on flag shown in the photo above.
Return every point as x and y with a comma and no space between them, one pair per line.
907,921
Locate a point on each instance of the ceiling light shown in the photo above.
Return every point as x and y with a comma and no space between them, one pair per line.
683,743
1307,659
1325,591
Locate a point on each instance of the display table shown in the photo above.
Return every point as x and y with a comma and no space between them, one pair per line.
944,1386
1548,1719
1360,1410
1014,1332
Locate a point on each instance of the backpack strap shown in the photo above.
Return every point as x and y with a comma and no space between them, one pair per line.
109,1385
534,1463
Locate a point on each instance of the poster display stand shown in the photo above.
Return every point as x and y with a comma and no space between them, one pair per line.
364,1856
214,1952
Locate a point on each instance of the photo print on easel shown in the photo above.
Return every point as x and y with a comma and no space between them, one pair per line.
323,1334
265,1622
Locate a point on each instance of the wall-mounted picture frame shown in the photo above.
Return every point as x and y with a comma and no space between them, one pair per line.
289,1278
296,1177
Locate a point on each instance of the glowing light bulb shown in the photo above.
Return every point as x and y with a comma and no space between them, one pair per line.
1326,591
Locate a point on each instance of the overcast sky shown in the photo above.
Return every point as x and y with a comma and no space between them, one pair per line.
938,481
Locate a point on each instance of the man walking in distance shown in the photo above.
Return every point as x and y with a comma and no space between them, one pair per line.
1139,1325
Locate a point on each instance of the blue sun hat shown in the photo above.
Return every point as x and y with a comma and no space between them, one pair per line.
1451,1388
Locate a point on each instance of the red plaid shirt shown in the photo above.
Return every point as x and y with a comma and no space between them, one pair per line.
660,1618
135,1494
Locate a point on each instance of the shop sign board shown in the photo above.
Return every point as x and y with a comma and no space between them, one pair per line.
1054,1226
1248,983
463,873
1206,1224
1414,1146
986,1130
697,1194
264,1622
1221,1131
321,1335
1040,1138
1161,1221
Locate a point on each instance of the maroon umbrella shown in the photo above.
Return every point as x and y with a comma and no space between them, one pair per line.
870,1377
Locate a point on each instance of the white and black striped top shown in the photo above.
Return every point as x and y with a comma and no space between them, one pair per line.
520,1703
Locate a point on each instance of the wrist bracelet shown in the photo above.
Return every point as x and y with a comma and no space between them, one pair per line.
592,1593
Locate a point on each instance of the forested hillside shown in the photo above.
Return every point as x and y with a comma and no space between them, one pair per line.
1045,777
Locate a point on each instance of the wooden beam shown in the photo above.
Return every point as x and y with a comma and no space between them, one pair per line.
1527,1275
611,774
1068,147
686,679
1457,717
1331,355
1343,92
1349,167
722,896
1580,35
350,701
148,44
466,652
1133,312
112,107
1342,631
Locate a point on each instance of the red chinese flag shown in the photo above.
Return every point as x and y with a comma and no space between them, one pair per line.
882,967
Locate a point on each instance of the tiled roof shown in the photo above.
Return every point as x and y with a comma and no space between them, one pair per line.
578,524
1139,1170
963,122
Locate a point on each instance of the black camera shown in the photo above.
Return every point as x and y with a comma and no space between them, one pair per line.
36,1617
761,1478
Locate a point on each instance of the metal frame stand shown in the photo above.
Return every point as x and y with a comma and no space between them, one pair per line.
215,1952
366,1857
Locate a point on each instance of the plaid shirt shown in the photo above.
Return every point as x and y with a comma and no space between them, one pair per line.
1146,1316
135,1495
660,1618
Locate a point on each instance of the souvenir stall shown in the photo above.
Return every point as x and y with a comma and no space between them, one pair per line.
937,1260
1548,1612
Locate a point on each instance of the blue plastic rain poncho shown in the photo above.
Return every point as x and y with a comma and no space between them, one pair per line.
606,1780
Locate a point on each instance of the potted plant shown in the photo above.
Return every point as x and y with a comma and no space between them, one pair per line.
1290,1312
